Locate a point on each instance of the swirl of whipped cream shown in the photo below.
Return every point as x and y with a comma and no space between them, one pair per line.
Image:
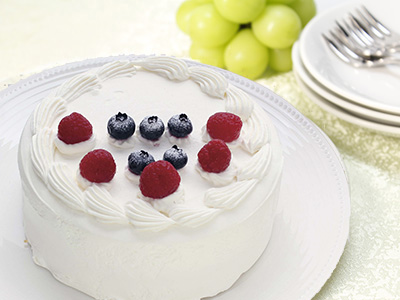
181,142
218,179
255,133
123,144
258,165
144,217
64,187
205,137
193,217
85,184
77,86
45,113
238,102
101,205
116,69
132,177
170,67
150,143
210,82
78,148
165,204
42,152
229,196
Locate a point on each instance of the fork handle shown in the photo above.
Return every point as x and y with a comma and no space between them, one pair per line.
394,48
392,60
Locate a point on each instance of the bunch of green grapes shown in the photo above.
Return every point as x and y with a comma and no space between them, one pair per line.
244,36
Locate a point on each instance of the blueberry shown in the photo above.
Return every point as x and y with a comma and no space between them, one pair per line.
180,126
151,128
176,156
121,126
138,160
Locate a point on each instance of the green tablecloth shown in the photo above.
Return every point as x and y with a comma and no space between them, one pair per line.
370,265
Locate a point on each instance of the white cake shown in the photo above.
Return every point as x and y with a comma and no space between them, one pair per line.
111,242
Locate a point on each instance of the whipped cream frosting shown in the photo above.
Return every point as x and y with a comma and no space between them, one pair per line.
78,148
227,189
192,244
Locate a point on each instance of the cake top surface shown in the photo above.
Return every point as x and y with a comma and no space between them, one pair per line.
162,87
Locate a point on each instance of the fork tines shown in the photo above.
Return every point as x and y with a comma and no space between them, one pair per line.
362,38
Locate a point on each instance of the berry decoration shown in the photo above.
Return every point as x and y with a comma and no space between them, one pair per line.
180,126
151,128
98,166
74,129
159,179
224,126
138,160
121,126
176,156
214,157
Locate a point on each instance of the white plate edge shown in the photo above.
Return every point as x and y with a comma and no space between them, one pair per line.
278,102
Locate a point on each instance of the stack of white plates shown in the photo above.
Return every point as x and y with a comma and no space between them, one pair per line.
366,97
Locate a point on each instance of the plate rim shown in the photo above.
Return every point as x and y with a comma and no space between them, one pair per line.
341,113
261,93
315,86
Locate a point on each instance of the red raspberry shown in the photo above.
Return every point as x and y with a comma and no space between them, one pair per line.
224,126
98,166
159,179
74,128
214,157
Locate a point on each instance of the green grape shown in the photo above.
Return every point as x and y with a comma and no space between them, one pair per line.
185,12
209,29
306,10
245,55
278,26
240,11
280,60
210,56
280,1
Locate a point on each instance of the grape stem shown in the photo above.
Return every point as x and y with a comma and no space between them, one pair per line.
244,26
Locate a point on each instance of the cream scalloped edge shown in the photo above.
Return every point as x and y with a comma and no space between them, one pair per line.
96,200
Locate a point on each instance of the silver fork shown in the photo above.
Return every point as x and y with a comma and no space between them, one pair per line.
357,59
363,41
381,34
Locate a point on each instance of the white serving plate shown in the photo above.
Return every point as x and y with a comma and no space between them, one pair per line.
376,88
352,108
312,223
345,115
